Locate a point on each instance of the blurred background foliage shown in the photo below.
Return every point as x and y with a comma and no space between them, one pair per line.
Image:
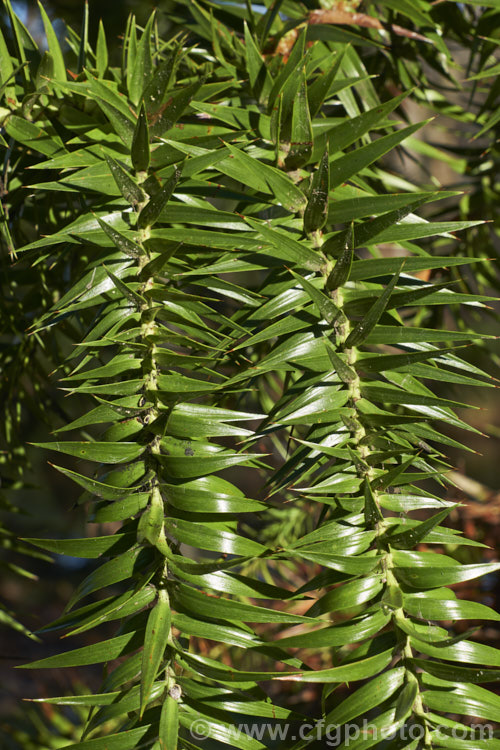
460,151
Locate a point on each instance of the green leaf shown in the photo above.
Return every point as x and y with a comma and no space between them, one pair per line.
453,673
286,247
316,212
117,366
341,271
428,578
53,44
213,539
346,133
123,124
155,641
396,361
84,33
287,70
7,72
348,596
301,143
123,243
357,670
349,565
394,335
462,704
462,652
169,723
33,136
406,699
412,537
155,91
152,210
121,509
319,90
316,406
150,524
140,143
408,231
106,610
348,167
217,607
343,370
101,51
106,453
397,396
98,699
142,65
449,609
187,466
362,329
347,483
327,308
127,292
125,566
372,510
367,697
90,548
269,179
97,653
23,41
127,740
374,205
209,494
225,634
162,117
379,267
130,190
254,61
351,632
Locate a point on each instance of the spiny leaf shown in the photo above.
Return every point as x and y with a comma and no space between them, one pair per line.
110,453
84,33
326,306
155,91
372,510
349,165
140,143
143,63
101,51
54,46
126,290
6,71
343,370
97,653
316,212
155,642
253,57
288,248
289,69
130,190
342,269
318,91
410,538
126,245
301,142
362,329
152,210
169,721
163,116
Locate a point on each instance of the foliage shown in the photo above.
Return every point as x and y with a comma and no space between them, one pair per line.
202,259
